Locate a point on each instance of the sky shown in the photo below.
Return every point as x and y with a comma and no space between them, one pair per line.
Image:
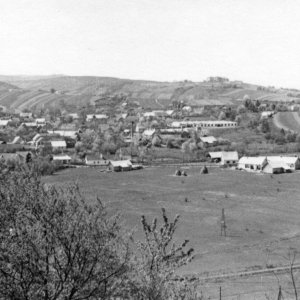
257,41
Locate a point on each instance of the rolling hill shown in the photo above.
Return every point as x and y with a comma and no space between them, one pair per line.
20,92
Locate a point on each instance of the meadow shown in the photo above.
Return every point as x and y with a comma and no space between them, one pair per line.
262,211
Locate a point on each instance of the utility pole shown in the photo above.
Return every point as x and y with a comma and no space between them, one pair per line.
223,223
279,294
220,293
131,145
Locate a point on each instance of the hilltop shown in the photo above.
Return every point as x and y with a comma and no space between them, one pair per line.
20,92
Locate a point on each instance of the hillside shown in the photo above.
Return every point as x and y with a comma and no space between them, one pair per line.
289,121
20,92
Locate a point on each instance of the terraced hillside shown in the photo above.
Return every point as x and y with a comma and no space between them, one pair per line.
28,92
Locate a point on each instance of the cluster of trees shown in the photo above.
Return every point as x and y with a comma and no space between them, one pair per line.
57,245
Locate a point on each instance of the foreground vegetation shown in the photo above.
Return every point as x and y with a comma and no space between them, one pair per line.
56,245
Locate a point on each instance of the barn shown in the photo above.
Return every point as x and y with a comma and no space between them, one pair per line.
120,165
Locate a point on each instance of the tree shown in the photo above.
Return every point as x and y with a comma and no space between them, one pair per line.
154,275
55,245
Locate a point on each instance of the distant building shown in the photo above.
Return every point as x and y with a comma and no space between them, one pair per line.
120,165
204,124
208,140
95,160
26,115
58,145
101,117
287,162
252,163
267,114
4,123
229,158
63,159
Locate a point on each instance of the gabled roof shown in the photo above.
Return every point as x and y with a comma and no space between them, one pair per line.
252,160
61,157
36,137
208,139
215,155
230,155
4,122
283,159
55,144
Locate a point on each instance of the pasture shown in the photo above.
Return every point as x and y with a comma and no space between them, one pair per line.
262,211
288,121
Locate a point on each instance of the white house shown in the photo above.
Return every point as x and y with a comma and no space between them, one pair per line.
120,165
59,145
292,162
40,121
252,163
65,133
228,158
267,114
4,123
95,160
209,140
64,159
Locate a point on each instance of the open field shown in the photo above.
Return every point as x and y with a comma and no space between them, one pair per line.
262,211
288,121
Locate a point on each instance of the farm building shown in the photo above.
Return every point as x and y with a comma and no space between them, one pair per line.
95,160
275,168
205,124
292,162
252,163
4,123
63,159
267,114
229,158
120,165
65,133
208,140
40,121
59,145
149,133
25,115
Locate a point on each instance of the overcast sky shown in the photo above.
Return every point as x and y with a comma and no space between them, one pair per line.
257,41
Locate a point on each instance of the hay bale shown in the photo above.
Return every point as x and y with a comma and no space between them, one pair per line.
204,170
178,173
183,173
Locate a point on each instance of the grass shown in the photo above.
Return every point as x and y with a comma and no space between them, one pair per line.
288,121
258,215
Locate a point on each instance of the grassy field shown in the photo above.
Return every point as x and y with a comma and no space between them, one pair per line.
262,212
288,121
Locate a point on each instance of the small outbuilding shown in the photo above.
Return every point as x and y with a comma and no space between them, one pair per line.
120,165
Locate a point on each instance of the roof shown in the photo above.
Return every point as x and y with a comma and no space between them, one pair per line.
4,122
29,124
208,139
96,116
215,155
16,140
40,120
58,144
121,163
36,137
67,133
230,155
61,157
252,160
149,132
283,159
276,165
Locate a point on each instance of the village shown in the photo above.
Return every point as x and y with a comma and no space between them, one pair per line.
131,137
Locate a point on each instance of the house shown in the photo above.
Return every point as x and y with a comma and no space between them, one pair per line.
149,133
256,163
4,123
267,114
289,162
40,121
208,140
95,160
25,115
64,133
63,159
74,116
275,168
229,158
120,165
58,145
17,140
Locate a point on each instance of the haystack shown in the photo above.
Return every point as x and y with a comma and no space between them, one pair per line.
204,170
